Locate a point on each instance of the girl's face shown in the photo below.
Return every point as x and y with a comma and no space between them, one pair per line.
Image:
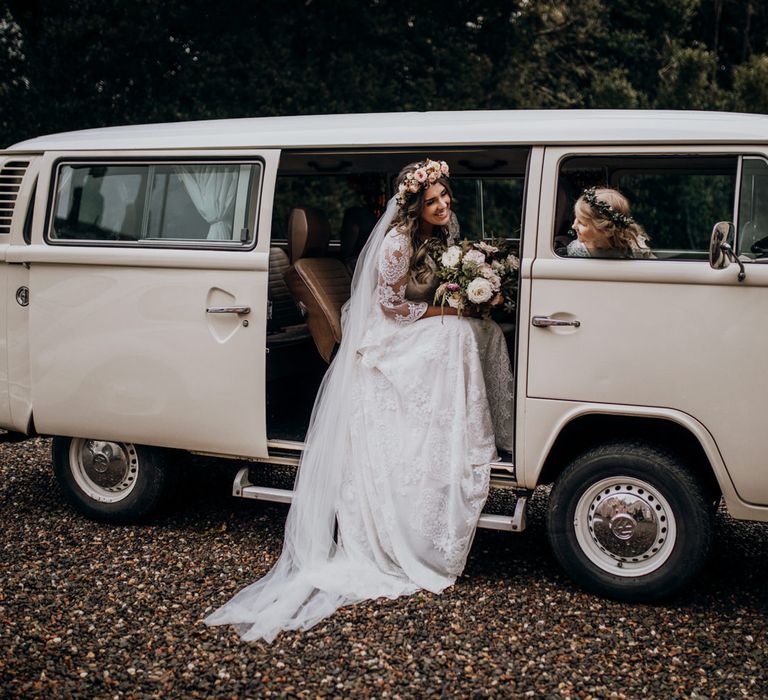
590,236
436,210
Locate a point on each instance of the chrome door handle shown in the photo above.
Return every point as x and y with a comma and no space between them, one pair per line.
546,322
228,310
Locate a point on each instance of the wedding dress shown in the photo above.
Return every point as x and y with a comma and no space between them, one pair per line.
396,468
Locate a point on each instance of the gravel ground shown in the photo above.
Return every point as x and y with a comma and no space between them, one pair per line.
89,610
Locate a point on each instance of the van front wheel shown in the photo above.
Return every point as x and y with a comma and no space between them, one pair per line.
629,521
115,482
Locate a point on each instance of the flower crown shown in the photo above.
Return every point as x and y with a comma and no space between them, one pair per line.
606,210
426,174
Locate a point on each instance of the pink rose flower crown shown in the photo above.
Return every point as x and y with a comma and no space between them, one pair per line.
428,173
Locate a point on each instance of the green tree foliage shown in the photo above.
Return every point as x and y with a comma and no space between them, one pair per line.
89,63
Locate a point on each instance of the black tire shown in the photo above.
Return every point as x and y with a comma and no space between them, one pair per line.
629,521
112,482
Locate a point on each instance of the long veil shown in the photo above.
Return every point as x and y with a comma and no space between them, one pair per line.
314,575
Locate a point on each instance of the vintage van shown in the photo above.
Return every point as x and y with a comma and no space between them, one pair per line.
179,286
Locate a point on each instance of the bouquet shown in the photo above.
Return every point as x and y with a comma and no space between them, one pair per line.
478,277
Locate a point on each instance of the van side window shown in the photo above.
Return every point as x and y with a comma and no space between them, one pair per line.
752,239
489,207
162,202
676,199
332,194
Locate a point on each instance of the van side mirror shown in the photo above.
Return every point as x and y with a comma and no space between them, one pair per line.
720,251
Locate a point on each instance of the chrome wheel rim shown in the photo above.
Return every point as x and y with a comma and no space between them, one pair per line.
105,471
625,526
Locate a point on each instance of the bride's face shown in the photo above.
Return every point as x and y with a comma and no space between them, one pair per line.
436,209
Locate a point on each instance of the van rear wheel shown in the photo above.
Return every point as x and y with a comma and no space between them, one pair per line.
629,521
114,482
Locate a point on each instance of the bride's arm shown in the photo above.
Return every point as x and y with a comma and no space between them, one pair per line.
394,263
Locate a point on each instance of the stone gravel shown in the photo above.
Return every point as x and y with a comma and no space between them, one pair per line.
91,610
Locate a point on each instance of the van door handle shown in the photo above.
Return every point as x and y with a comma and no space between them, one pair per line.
546,322
228,310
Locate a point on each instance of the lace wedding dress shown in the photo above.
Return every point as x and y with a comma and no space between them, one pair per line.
396,467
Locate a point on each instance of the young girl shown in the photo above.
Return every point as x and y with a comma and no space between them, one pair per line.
604,227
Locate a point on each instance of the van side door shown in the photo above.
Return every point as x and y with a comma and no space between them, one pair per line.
148,288
662,336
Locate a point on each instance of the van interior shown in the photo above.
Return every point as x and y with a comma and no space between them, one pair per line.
326,204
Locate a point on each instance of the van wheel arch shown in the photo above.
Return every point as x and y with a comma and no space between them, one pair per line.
586,431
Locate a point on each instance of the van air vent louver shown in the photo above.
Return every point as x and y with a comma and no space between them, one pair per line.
11,176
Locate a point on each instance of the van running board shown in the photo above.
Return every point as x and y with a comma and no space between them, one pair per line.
288,453
243,488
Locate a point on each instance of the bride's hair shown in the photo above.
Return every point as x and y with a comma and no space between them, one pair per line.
406,221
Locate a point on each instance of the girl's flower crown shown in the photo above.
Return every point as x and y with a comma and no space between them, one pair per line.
426,174
606,210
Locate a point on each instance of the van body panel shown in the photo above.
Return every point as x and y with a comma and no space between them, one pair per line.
6,286
123,348
527,256
421,129
14,332
652,333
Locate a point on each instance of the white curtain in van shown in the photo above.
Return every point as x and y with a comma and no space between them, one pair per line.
212,189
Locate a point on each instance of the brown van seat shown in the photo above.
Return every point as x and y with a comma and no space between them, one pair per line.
285,312
356,227
309,233
320,284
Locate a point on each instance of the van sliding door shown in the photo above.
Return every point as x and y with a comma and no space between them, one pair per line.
148,289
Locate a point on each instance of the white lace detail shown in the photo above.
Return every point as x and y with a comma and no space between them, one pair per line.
394,265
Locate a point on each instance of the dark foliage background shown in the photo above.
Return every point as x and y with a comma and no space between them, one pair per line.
85,63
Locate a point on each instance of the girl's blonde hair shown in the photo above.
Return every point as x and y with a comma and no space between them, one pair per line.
406,221
609,213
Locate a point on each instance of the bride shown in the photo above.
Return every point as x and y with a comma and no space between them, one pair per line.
395,469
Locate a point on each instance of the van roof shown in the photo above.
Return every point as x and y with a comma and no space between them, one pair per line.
420,129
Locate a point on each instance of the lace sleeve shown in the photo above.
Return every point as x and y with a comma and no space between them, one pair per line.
394,260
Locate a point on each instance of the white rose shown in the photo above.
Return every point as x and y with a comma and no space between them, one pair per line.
479,290
513,262
451,257
486,271
486,247
474,256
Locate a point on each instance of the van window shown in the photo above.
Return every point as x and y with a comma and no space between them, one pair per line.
489,208
676,199
161,202
753,209
333,195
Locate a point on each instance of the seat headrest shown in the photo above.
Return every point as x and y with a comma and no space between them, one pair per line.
356,226
309,233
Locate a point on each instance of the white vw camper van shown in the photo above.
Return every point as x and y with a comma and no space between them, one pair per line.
179,286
